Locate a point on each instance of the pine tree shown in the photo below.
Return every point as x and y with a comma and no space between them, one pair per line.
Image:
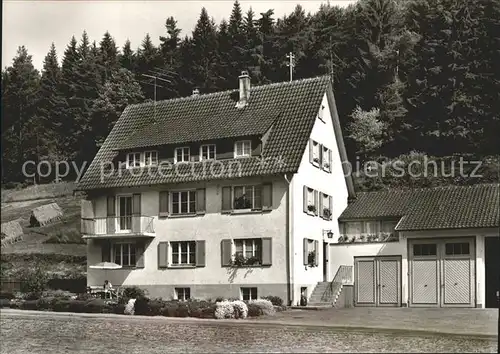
20,86
50,107
107,59
170,56
148,59
265,49
224,56
236,32
127,57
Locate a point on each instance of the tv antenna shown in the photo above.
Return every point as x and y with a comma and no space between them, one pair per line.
291,63
155,77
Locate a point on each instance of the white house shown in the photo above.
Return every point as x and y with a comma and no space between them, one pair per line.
230,194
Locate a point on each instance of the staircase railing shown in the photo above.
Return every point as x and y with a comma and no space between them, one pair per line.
343,276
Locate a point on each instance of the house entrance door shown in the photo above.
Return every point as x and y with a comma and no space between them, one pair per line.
125,213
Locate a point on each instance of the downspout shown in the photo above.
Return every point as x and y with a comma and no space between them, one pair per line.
289,241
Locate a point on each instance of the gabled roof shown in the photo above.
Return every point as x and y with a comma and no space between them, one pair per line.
451,207
289,108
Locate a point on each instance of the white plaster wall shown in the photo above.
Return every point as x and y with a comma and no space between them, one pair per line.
307,226
211,227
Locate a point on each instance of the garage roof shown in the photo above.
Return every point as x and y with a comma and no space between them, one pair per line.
450,207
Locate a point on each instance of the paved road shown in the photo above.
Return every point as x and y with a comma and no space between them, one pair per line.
24,332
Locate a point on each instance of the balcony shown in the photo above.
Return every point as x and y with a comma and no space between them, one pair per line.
118,227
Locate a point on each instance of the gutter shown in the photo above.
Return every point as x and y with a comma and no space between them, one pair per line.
289,241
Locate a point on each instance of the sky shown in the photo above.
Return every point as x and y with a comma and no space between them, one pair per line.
37,23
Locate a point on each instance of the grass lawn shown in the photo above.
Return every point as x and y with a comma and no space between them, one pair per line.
55,333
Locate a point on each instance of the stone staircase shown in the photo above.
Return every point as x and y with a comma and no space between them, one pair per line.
325,294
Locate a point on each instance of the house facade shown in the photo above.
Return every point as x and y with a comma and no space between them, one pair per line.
435,247
227,194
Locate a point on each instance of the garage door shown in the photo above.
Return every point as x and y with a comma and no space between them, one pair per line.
377,281
442,273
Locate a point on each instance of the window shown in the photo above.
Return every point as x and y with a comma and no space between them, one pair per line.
124,213
181,154
249,249
321,112
371,227
184,202
388,226
315,153
133,159
424,249
207,152
151,158
247,197
242,148
248,294
183,253
124,254
457,248
183,294
327,159
310,202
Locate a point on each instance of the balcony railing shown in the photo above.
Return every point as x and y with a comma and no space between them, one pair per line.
118,225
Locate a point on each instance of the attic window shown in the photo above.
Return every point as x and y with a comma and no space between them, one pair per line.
134,159
321,113
207,152
181,154
242,148
151,158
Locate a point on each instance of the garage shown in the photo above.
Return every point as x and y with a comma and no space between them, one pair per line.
377,281
442,272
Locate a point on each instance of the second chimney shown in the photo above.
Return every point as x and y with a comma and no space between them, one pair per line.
244,89
196,92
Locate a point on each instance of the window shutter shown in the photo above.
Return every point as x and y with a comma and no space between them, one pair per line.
316,203
329,160
267,251
316,253
320,203
163,209
305,199
200,201
311,150
321,155
111,219
163,255
330,206
226,252
106,251
306,253
136,213
267,196
200,253
226,199
139,254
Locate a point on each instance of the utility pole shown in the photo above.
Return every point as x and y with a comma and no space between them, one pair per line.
291,63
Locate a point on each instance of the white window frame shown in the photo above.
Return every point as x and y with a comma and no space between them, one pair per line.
183,292
253,186
315,149
151,161
122,245
208,146
117,213
310,200
326,154
171,202
134,159
183,149
321,113
178,262
256,247
243,143
249,288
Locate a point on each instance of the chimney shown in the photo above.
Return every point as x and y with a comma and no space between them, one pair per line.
244,89
196,92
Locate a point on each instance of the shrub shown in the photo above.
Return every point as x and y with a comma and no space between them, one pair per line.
265,305
4,303
29,305
58,294
130,307
94,306
46,303
141,306
133,292
254,310
118,309
62,306
155,307
34,280
208,312
275,300
224,309
240,309
84,297
6,295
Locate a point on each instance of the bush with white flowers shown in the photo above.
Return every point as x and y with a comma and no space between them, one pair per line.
266,306
240,309
130,307
224,309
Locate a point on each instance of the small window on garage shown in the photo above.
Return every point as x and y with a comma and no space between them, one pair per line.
424,249
457,248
